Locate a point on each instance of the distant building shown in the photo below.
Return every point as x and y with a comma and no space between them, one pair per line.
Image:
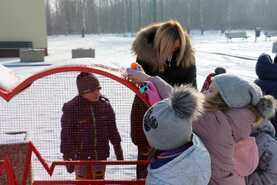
22,24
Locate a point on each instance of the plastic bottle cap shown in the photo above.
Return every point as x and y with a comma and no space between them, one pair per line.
134,65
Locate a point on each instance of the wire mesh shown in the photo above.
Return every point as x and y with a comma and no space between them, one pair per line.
38,110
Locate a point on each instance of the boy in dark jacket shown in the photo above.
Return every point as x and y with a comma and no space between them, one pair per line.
88,124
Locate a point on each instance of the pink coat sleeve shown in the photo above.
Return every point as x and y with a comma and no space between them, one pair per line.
152,93
164,89
241,121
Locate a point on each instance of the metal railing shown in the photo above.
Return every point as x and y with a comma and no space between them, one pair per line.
5,165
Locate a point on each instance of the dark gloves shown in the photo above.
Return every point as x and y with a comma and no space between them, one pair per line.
253,179
69,167
265,160
258,178
118,152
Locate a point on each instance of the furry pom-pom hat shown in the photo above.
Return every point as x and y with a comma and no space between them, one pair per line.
238,93
168,123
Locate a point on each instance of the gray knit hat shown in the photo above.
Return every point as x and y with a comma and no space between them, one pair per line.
238,93
168,123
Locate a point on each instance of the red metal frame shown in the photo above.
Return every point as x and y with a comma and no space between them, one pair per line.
9,94
101,70
90,182
6,165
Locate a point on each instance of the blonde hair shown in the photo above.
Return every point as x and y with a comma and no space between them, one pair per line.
164,41
259,117
216,103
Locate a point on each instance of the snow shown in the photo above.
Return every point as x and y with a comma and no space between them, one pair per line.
39,107
13,138
8,78
212,49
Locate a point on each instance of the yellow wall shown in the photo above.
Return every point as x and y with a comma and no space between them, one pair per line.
23,20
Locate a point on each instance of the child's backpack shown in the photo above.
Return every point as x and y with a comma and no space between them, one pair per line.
246,164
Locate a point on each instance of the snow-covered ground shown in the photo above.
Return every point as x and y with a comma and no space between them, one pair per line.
212,49
39,107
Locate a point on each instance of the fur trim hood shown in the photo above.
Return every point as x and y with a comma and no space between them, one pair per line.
143,45
265,127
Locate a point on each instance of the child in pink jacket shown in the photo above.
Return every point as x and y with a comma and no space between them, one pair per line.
232,107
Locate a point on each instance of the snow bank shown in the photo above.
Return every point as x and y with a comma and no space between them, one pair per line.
8,78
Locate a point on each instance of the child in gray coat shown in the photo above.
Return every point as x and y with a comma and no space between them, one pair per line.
180,157
266,173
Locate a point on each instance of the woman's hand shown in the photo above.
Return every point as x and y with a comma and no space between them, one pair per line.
136,76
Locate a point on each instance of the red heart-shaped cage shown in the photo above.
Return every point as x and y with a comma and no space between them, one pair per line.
35,106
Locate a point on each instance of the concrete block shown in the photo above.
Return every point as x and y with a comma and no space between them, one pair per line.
83,53
31,55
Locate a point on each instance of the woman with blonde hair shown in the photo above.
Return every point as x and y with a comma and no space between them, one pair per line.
162,49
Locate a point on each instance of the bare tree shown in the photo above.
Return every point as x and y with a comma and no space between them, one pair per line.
109,16
84,21
48,18
201,12
154,10
129,14
189,12
139,13
162,9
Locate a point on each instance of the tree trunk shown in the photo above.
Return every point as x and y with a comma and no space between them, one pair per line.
139,13
154,10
